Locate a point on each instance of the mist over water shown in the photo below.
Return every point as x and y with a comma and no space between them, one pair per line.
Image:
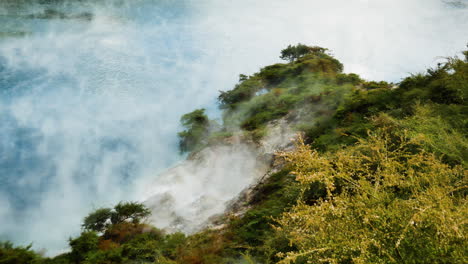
90,96
89,107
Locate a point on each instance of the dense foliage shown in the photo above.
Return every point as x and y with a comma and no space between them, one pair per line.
101,218
379,177
292,53
9,254
385,201
196,126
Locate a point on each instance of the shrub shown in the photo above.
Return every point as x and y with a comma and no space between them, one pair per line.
395,204
97,220
84,244
10,254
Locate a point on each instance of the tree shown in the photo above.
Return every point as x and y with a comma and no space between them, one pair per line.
243,77
100,219
97,220
196,125
132,211
82,245
292,53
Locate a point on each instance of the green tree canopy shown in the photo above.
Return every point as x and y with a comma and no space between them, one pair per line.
196,126
129,211
86,242
97,220
292,53
100,219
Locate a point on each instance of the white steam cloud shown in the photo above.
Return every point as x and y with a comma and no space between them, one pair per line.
184,197
89,109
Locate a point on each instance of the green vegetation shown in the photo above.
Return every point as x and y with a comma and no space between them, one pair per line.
197,126
385,200
292,53
10,254
336,111
117,235
279,89
100,219
380,175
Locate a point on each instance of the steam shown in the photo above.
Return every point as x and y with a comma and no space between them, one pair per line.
89,109
184,197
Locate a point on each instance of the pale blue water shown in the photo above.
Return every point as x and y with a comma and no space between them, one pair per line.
88,108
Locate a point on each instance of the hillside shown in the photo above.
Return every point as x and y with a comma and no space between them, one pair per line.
376,173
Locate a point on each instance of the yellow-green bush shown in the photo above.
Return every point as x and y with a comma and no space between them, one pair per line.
388,201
